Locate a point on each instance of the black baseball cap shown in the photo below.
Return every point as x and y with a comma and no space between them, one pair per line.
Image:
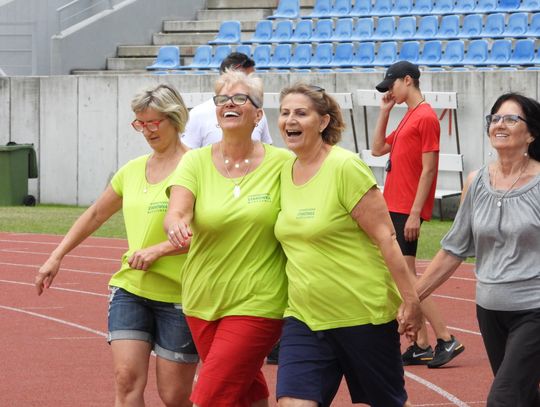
396,71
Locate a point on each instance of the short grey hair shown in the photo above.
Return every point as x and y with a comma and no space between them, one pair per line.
164,99
233,77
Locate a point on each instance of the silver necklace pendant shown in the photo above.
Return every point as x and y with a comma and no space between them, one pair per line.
145,190
236,191
499,203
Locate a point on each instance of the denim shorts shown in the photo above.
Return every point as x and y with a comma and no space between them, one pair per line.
160,323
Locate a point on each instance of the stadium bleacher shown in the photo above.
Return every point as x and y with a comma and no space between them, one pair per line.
436,34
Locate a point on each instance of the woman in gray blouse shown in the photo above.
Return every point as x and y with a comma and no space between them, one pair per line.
498,222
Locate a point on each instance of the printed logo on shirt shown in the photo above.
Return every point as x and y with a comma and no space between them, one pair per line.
306,213
158,207
258,198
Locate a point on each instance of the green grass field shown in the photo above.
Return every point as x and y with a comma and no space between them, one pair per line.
57,220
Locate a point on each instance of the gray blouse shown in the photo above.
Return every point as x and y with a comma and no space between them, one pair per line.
504,239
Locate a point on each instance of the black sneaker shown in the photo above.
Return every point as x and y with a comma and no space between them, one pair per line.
272,358
415,355
445,351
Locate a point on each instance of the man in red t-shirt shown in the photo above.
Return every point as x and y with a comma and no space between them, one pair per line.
409,190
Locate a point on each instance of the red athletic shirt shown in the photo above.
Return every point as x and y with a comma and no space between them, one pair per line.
417,133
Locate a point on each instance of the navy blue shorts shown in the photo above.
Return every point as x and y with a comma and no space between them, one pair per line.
160,323
313,363
408,248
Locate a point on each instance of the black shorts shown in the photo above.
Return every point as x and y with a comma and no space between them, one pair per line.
408,248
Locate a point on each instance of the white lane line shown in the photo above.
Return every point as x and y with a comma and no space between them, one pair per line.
59,237
482,403
123,247
57,288
60,321
450,397
450,297
37,266
67,255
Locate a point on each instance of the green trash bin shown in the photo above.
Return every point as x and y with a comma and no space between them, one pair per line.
17,164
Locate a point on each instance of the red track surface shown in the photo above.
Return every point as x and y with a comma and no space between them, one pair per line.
54,352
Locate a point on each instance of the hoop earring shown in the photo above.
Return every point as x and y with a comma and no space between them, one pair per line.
217,125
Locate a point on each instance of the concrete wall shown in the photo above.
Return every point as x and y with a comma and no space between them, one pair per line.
80,125
33,43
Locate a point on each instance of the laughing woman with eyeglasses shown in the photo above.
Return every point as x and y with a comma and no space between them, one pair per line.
498,222
227,197
145,312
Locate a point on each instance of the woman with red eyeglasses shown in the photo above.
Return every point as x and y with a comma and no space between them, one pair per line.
145,312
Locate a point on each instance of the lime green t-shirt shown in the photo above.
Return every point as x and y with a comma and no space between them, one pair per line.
337,276
235,265
143,216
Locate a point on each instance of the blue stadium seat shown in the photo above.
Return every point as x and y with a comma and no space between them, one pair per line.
229,33
281,56
409,51
363,30
472,26
201,59
321,9
324,29
220,52
508,6
262,55
486,6
382,8
465,6
534,26
460,69
365,54
301,57
361,9
343,30
402,7
168,57
427,28
500,53
287,9
343,55
341,8
517,26
449,27
453,53
263,32
494,26
423,7
406,28
443,7
244,49
530,5
523,53
386,54
322,56
385,29
283,31
431,53
302,31
477,53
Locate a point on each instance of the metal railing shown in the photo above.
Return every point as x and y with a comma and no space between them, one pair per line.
79,10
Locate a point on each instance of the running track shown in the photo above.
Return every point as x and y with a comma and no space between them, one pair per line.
54,352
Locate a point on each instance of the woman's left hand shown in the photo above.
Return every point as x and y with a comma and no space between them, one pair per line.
410,319
142,259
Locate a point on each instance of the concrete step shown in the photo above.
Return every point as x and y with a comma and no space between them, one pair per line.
107,72
271,4
123,64
190,38
234,14
201,26
151,50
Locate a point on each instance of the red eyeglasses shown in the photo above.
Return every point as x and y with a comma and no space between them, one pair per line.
150,126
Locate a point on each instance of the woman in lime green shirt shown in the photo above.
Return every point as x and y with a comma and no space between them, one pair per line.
145,312
226,196
347,277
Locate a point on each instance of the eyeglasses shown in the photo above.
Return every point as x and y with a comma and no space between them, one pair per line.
150,126
509,119
238,100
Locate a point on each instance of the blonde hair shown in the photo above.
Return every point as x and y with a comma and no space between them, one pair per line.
324,104
164,99
233,77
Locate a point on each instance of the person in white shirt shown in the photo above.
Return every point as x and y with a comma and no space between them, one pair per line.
202,127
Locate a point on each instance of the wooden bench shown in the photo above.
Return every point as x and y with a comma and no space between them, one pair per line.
452,163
